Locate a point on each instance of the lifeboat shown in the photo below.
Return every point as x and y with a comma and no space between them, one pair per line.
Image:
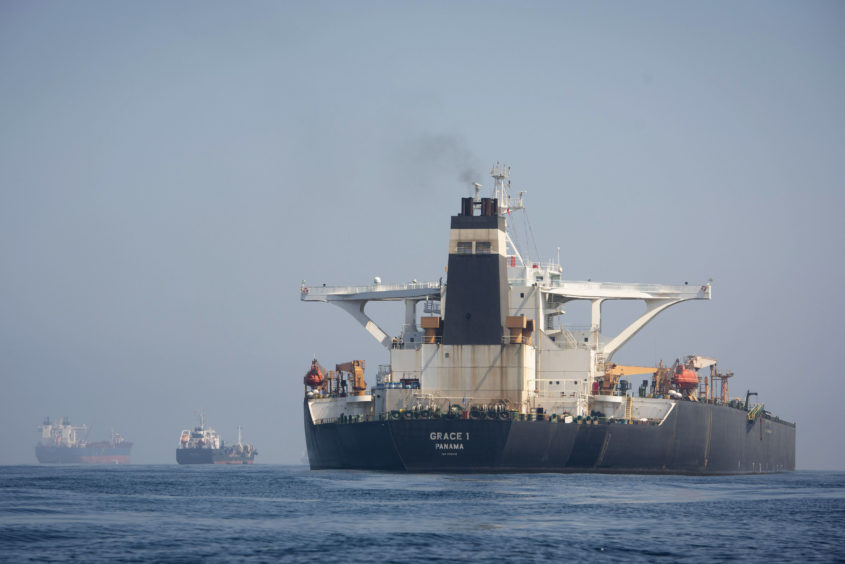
684,378
314,377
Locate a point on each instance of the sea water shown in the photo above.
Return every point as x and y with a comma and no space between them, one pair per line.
290,514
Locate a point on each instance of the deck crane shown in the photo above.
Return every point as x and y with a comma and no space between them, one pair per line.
683,376
354,368
613,372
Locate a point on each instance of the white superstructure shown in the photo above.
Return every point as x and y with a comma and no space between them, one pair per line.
63,434
201,436
540,365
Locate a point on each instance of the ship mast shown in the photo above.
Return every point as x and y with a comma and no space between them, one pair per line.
501,175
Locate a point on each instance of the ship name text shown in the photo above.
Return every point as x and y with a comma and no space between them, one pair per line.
450,442
453,436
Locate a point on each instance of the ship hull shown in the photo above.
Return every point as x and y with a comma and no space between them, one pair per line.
694,438
210,456
82,455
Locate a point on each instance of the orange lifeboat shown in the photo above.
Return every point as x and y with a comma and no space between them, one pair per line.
314,377
684,378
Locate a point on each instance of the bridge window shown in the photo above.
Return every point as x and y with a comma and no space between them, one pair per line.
482,247
464,247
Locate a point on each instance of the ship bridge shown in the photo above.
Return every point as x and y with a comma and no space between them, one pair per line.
657,297
478,236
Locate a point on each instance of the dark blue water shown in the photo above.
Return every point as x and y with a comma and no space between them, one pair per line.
288,513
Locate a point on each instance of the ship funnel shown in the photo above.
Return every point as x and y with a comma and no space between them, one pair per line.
478,284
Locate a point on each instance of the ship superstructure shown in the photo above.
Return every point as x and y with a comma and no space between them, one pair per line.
203,445
489,357
64,443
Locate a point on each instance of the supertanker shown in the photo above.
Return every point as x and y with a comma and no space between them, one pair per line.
63,443
487,377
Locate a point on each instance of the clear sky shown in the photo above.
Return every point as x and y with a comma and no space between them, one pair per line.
170,172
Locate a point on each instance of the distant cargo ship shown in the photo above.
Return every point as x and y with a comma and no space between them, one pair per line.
63,443
203,445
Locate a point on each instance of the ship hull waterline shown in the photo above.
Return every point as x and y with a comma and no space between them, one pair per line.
81,455
695,438
208,456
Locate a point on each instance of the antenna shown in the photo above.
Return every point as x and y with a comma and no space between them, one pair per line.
501,174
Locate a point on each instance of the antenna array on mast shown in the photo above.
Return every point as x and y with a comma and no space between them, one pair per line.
501,174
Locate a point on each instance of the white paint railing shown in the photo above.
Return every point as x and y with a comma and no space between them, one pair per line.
373,288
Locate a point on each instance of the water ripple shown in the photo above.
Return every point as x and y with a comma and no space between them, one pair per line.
277,513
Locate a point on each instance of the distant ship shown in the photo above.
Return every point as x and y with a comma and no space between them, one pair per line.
491,379
203,445
63,443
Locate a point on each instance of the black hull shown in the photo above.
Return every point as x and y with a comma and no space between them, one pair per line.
694,439
210,456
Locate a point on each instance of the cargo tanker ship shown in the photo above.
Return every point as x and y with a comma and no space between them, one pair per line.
203,445
63,443
485,375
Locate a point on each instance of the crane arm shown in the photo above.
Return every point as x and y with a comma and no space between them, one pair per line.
619,370
613,372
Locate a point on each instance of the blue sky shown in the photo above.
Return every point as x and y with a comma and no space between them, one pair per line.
169,173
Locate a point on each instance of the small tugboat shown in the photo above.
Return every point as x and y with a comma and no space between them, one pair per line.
203,445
